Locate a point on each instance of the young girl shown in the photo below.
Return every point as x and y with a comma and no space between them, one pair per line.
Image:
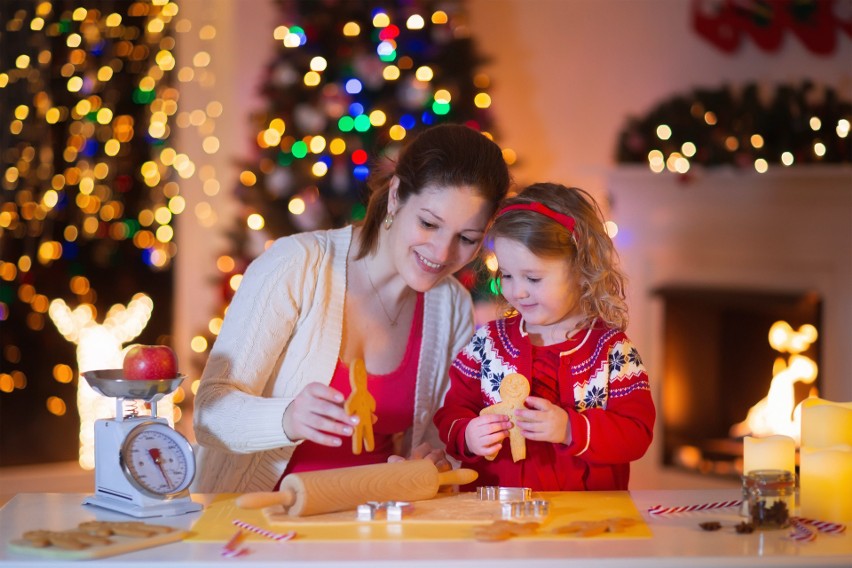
590,412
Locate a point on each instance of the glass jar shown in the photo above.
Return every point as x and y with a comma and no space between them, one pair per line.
771,495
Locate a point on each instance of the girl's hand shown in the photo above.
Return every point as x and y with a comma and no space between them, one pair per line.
317,414
485,434
543,421
426,451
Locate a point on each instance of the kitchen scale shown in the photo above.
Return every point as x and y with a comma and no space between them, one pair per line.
143,467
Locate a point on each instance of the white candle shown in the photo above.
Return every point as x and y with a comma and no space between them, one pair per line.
770,452
825,461
826,423
825,491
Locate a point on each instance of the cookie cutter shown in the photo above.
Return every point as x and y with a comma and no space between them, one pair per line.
519,509
394,510
496,493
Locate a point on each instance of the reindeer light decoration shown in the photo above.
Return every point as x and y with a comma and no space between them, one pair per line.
100,346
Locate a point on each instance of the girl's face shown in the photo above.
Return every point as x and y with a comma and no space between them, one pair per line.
436,232
543,290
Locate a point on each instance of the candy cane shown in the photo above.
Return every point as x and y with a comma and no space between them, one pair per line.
800,532
821,526
278,537
232,548
660,510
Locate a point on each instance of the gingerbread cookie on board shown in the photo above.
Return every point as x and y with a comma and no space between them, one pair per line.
514,390
362,404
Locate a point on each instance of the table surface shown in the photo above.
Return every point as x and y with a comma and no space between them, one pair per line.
677,541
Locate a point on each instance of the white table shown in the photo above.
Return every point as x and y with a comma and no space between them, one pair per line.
677,541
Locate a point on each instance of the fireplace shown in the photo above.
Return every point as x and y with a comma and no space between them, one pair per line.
718,364
733,250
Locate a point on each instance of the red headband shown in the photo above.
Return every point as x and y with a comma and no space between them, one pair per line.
561,218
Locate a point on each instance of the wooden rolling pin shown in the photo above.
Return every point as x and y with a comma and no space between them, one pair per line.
332,490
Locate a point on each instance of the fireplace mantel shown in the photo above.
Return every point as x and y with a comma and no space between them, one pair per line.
785,231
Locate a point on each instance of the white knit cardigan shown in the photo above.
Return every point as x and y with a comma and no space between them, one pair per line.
282,331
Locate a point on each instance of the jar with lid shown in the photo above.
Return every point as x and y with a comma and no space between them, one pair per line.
771,495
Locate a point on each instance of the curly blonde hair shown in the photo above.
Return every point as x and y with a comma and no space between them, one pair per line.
592,256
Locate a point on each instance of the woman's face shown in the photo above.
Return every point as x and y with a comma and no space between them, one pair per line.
436,232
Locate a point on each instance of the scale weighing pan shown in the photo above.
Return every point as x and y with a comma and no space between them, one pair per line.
111,382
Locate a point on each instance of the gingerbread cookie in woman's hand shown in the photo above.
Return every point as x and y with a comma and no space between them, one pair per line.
362,404
514,390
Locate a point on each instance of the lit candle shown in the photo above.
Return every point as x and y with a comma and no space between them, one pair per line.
770,452
825,491
825,461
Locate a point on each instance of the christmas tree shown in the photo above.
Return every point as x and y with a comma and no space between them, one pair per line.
348,82
87,205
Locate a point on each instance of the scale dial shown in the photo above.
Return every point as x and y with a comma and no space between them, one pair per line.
157,460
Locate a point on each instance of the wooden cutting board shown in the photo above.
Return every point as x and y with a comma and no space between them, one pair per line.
121,545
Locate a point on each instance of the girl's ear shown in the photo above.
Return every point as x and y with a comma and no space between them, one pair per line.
393,195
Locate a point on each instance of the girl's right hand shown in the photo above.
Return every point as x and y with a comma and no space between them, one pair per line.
317,414
485,434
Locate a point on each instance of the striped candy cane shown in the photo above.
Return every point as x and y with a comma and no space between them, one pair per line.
278,537
660,510
821,526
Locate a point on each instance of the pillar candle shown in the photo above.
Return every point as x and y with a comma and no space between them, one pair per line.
770,452
825,461
825,478
826,423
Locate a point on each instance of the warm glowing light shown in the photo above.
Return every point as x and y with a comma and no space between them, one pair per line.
611,229
296,206
664,132
381,20
761,165
787,158
815,123
351,29
482,100
777,412
255,222
198,344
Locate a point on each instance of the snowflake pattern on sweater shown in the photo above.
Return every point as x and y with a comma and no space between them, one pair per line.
491,355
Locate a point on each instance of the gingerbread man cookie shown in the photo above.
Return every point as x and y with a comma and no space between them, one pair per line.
514,390
362,404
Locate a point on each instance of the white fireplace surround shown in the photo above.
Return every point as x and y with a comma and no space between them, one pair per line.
785,230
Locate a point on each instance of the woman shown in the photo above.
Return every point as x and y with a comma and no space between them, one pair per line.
270,401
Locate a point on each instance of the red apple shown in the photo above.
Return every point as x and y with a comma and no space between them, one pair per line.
150,362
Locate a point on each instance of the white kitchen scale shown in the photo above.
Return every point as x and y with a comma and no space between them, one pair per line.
143,467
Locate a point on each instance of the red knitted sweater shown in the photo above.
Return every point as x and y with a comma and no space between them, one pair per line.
597,376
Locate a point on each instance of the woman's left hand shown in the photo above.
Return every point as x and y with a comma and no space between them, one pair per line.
543,421
426,451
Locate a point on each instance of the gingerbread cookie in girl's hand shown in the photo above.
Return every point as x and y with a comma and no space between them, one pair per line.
514,390
362,404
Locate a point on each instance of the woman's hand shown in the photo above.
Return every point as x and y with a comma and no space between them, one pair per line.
427,452
485,434
543,421
317,414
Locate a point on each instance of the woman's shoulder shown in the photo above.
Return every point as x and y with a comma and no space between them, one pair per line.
299,247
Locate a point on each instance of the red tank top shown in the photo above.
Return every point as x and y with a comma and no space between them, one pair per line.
394,394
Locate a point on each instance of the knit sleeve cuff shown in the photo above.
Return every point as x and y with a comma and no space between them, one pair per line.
580,433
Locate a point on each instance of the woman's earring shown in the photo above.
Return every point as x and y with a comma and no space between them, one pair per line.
388,220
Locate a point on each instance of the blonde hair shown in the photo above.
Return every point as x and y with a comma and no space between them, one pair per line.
588,248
